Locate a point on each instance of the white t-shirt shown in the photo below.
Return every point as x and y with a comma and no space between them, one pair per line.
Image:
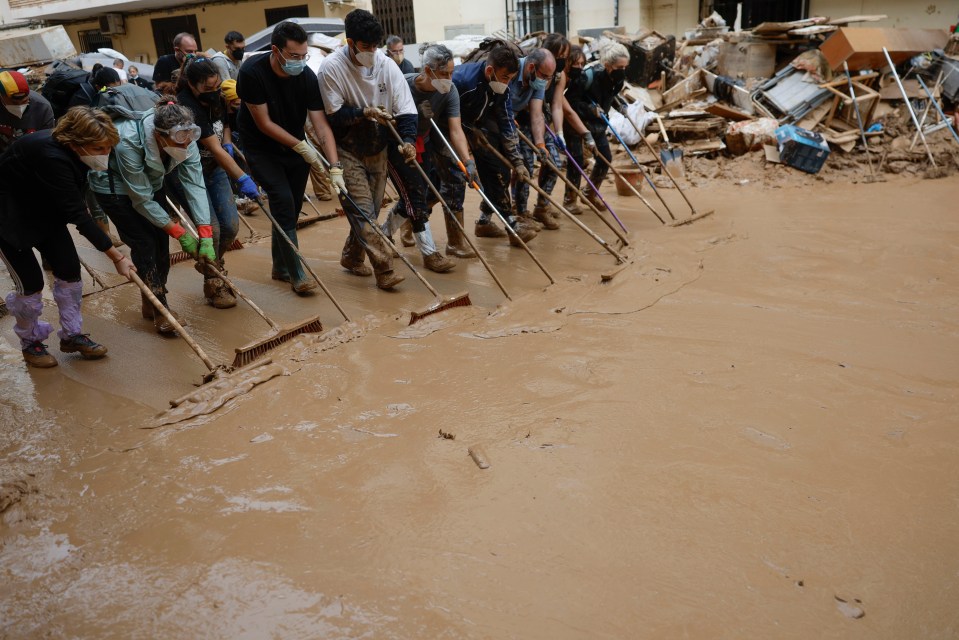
383,85
123,75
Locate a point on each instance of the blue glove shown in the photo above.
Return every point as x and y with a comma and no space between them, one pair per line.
560,143
247,187
229,148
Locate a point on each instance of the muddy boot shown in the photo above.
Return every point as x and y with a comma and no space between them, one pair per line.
388,279
36,355
162,325
218,295
82,344
523,230
146,308
303,287
488,229
406,234
432,259
571,205
456,244
104,225
545,218
352,257
593,198
438,262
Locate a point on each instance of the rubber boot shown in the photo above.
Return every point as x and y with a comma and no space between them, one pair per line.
31,330
432,259
456,244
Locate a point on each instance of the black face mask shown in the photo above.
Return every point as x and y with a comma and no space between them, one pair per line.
560,64
209,97
617,75
575,72
237,54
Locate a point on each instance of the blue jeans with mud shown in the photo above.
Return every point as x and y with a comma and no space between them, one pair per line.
224,217
547,177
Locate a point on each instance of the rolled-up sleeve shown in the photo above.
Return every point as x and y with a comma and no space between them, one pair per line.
191,177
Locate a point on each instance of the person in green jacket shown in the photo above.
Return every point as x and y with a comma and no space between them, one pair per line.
153,144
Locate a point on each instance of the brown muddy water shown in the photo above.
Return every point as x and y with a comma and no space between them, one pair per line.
749,432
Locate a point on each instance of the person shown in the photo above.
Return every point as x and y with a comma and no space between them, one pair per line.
435,97
153,144
228,61
133,76
118,67
24,111
394,50
487,114
578,133
527,92
42,179
200,93
184,44
277,93
104,79
364,93
590,95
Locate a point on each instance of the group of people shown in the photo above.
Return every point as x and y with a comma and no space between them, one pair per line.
237,124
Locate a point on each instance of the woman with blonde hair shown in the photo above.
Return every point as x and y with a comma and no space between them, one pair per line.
42,179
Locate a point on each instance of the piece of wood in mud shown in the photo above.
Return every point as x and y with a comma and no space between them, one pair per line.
479,456
727,112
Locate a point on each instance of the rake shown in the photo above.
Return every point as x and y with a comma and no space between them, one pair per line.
251,352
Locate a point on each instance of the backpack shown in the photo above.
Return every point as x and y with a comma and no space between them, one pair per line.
125,101
60,87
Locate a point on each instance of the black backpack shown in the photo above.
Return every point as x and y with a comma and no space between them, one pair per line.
60,87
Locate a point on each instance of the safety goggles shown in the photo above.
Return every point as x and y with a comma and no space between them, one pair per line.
182,133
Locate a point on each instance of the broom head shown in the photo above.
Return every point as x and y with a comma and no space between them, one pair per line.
441,304
249,353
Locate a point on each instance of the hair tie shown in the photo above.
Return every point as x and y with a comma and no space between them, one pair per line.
170,102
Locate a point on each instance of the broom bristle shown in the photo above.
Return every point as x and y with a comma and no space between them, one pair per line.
246,355
461,300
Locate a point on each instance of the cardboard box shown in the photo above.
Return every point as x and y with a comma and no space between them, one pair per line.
747,60
862,48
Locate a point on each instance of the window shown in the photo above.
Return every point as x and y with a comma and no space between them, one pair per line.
165,29
396,16
528,16
93,39
278,15
755,12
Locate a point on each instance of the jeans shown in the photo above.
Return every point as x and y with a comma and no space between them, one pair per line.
575,145
284,180
414,194
223,214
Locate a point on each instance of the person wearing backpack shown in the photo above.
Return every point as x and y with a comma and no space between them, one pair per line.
24,111
199,91
153,144
591,94
42,179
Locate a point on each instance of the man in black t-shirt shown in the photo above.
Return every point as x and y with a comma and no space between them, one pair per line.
183,45
278,92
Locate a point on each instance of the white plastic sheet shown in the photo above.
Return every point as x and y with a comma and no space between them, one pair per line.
638,115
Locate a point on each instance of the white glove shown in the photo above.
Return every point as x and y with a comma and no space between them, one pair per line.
308,152
336,177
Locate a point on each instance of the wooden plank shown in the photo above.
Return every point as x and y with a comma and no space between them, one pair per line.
727,112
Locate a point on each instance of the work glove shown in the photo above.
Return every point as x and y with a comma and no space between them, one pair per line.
336,177
248,188
228,148
308,153
206,251
408,151
471,171
187,242
590,143
522,173
542,152
378,114
560,141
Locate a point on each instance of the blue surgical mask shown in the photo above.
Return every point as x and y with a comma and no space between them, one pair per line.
539,84
292,67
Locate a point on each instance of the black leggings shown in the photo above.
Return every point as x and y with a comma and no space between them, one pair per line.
149,244
58,250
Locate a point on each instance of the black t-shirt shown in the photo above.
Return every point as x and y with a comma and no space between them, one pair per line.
210,121
164,68
407,67
287,100
442,107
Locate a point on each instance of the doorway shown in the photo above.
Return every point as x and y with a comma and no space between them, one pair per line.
165,29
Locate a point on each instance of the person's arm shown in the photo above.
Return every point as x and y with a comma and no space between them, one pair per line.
537,123
222,156
573,118
458,139
63,194
556,108
261,116
131,168
324,135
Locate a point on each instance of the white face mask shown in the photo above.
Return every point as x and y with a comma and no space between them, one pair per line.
498,87
441,85
177,153
96,163
365,58
17,109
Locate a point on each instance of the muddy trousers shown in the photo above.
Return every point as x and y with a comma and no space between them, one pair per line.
26,303
494,175
365,179
149,245
224,217
283,177
547,177
575,145
414,202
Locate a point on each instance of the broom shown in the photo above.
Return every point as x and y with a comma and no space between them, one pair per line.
182,256
249,353
440,304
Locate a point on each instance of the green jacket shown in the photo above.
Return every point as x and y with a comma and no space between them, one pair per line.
137,168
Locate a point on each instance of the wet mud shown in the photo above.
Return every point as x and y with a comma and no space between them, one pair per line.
750,431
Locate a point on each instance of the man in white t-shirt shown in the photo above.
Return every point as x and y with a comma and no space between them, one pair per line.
364,92
118,66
